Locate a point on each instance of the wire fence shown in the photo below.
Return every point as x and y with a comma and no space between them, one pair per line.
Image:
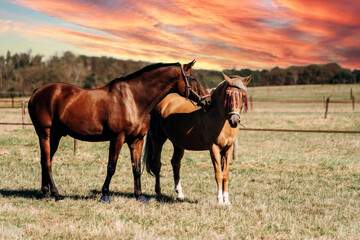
241,129
14,103
18,103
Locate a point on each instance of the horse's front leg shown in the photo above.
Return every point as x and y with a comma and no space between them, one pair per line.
135,151
215,157
225,161
114,151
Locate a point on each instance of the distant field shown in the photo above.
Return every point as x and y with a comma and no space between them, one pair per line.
283,185
301,92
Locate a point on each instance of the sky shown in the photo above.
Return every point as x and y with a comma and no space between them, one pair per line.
219,34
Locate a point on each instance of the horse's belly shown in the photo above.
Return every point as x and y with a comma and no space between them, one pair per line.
188,140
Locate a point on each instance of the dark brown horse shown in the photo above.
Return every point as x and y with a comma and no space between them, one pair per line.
117,112
191,128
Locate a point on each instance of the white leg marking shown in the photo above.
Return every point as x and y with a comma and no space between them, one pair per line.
178,190
226,198
220,197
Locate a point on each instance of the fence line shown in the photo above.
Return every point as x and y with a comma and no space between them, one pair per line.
296,130
304,101
246,129
15,124
10,101
253,99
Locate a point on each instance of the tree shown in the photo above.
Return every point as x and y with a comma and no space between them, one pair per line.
89,81
356,74
343,76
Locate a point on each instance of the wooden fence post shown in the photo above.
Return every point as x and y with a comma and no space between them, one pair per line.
76,146
353,102
251,103
327,106
23,113
12,102
351,93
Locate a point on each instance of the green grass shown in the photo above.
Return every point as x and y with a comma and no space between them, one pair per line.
336,91
282,186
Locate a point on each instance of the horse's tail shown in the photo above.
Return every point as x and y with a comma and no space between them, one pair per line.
148,153
155,138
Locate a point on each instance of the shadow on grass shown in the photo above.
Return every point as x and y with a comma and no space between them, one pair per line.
162,199
25,193
95,195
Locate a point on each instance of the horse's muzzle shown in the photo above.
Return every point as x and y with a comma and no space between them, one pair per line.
234,119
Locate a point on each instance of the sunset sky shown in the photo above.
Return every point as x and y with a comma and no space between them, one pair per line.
219,34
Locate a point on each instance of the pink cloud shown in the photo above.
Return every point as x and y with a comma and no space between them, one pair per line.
220,34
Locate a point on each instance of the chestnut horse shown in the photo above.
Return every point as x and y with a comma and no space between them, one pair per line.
191,128
117,112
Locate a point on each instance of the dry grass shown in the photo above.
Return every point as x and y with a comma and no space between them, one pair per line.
283,186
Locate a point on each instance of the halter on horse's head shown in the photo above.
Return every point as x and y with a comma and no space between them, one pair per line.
236,98
193,86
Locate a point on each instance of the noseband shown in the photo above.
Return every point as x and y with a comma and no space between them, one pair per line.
188,89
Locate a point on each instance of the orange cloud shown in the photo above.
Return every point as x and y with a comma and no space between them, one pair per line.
219,34
5,25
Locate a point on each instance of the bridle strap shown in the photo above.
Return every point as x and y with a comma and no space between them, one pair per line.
187,86
188,89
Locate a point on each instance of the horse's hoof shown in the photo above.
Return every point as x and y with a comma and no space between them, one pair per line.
180,199
143,199
105,199
59,197
46,196
224,203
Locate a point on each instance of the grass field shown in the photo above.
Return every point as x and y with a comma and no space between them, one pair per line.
282,186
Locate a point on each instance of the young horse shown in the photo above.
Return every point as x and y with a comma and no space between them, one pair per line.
117,112
191,128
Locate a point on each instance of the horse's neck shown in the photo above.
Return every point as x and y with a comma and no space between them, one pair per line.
218,98
149,88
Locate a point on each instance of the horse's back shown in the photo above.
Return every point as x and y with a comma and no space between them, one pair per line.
174,103
55,100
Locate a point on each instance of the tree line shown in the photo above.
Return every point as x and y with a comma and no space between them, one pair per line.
21,73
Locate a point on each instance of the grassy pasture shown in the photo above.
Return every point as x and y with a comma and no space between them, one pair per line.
283,185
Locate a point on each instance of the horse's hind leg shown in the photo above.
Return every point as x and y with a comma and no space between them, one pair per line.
47,147
156,163
176,164
54,143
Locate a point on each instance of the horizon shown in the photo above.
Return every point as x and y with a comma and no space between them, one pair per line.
257,35
44,59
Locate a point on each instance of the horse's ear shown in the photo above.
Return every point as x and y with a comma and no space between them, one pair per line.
229,80
189,65
246,80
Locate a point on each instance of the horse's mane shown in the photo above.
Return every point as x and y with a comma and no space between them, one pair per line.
144,70
217,89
